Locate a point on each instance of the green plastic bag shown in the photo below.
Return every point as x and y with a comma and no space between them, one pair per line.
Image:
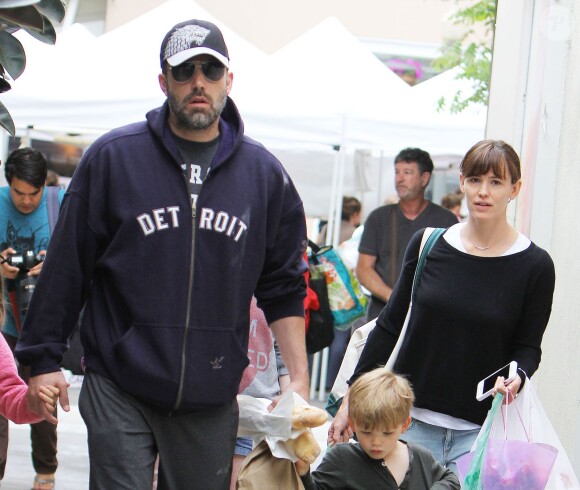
474,477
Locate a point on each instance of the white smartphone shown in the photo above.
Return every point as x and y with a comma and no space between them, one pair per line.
485,386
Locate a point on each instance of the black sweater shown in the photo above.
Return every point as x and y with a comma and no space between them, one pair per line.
472,315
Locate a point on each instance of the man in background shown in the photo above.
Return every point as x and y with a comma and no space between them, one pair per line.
26,205
388,229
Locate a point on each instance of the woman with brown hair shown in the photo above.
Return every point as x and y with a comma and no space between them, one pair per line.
484,300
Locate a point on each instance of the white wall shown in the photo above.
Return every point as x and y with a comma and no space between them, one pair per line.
559,381
534,106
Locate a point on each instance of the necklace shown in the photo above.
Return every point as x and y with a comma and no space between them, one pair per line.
479,247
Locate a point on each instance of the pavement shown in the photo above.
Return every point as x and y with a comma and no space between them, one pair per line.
73,468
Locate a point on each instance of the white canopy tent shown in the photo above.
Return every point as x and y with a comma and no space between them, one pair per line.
326,87
318,79
323,91
327,90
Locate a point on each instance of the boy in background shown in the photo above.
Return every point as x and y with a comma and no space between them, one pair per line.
265,377
379,412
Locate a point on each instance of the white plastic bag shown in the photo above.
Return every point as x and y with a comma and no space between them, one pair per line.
274,427
255,420
539,428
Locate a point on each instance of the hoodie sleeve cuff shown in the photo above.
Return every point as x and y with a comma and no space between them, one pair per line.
283,309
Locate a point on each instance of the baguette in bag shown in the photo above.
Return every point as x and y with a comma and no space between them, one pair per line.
304,447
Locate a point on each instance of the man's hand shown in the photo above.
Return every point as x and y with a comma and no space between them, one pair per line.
284,382
36,395
370,279
8,271
299,387
34,271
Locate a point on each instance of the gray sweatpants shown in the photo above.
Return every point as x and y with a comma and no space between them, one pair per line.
125,436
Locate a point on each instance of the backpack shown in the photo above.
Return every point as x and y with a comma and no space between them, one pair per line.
320,323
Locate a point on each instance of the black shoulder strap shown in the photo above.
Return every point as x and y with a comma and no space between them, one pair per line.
52,206
315,248
426,246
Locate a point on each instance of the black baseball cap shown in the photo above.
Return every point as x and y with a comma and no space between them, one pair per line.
192,38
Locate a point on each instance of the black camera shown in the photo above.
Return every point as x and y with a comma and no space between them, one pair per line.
25,261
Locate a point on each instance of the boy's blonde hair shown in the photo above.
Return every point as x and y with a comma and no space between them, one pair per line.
380,399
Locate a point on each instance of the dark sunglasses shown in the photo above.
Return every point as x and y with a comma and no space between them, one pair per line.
212,70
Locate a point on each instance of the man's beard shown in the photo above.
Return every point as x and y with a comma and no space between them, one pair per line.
193,119
408,194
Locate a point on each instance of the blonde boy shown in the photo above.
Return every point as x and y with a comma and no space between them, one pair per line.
379,412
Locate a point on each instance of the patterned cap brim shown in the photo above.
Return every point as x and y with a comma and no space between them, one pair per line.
186,54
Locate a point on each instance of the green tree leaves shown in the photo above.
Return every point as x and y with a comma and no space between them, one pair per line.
473,57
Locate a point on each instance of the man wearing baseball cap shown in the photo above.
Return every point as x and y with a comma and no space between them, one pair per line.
168,228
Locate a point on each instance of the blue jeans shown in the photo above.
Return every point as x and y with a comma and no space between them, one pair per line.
243,446
446,445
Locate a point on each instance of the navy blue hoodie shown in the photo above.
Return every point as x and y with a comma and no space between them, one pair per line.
166,317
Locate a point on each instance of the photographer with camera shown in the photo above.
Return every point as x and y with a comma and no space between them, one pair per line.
28,210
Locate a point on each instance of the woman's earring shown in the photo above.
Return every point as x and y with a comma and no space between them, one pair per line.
509,200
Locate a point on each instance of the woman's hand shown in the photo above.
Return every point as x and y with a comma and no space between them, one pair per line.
509,391
339,430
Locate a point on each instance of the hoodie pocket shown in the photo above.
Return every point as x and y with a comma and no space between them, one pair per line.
149,357
147,361
215,362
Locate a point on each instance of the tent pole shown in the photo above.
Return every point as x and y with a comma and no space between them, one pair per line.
332,208
320,359
323,374
314,374
335,219
339,185
338,198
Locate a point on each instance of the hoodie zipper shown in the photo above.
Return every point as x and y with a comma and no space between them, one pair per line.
188,312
